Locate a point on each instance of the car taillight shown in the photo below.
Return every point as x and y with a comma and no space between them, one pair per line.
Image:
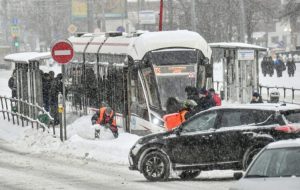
288,129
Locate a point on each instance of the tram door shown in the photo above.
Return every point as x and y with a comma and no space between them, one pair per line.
138,106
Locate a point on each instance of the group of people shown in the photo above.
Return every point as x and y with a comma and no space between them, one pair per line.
197,101
268,66
52,86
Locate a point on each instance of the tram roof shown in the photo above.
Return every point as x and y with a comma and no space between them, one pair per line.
138,46
25,57
236,45
150,41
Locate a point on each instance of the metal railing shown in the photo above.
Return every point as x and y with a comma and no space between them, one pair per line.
23,113
287,95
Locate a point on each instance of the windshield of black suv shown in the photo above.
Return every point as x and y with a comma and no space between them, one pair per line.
201,122
292,116
281,162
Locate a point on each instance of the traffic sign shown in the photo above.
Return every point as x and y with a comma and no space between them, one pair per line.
72,28
62,52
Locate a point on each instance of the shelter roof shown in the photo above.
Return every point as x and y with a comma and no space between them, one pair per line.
236,45
25,57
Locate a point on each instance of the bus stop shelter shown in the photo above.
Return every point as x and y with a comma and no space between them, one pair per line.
240,69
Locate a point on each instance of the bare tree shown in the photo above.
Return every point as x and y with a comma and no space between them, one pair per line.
291,12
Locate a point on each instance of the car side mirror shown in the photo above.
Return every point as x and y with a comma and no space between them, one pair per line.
237,175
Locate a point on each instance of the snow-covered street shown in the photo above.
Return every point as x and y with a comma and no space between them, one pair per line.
23,170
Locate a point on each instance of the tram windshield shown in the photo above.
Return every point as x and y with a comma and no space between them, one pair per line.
174,70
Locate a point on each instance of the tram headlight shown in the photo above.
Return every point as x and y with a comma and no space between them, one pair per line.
157,121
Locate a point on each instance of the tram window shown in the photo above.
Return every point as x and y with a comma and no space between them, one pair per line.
175,57
151,86
201,76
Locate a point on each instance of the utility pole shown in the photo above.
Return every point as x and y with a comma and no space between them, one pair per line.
193,15
4,7
170,17
103,21
242,34
90,15
161,15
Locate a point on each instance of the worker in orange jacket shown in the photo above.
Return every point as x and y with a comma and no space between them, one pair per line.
105,117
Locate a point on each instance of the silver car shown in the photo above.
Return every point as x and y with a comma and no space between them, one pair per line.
276,167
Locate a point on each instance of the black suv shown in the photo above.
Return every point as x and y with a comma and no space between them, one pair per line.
219,138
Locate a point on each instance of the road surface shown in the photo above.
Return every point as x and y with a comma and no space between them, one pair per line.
21,170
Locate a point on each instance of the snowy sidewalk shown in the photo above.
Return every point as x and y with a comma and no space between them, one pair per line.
80,143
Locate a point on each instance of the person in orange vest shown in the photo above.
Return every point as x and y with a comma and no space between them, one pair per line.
178,116
105,117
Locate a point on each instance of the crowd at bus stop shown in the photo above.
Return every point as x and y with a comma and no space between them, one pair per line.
51,87
280,64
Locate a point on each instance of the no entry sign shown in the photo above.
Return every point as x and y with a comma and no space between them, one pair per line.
62,52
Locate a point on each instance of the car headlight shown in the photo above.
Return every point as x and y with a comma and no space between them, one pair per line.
136,148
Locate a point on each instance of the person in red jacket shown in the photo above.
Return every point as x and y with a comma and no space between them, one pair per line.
216,97
105,117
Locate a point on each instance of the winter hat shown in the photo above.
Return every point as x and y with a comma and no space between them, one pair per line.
212,90
255,94
202,91
108,110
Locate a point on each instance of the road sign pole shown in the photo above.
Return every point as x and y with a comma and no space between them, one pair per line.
62,52
64,102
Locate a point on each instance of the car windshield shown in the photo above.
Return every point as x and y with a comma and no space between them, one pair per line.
293,116
281,162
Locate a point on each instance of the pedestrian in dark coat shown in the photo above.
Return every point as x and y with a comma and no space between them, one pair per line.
264,66
270,66
256,98
12,84
46,82
291,67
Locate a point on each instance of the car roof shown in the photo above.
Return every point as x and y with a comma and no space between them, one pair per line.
262,106
284,144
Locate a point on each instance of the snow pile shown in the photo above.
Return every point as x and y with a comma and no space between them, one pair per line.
81,142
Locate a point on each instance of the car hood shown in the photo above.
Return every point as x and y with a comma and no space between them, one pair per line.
154,137
278,183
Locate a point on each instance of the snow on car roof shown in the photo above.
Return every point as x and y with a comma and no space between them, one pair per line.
27,56
236,45
284,144
264,106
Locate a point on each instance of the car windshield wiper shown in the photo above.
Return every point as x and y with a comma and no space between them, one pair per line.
255,176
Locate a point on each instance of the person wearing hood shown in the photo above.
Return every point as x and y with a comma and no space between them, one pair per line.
12,84
291,67
256,98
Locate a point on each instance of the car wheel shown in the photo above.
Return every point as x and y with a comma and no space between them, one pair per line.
249,155
189,174
155,166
